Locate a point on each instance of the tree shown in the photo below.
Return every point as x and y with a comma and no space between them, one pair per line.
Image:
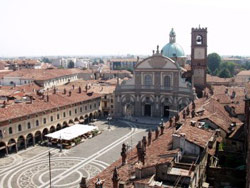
214,61
225,73
46,60
228,65
71,64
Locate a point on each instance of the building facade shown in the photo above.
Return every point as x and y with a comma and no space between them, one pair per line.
157,89
26,124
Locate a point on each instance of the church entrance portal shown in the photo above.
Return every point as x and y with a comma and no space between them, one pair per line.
147,110
166,111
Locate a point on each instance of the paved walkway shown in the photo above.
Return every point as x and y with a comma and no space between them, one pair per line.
30,168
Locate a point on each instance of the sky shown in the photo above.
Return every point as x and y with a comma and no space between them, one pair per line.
119,27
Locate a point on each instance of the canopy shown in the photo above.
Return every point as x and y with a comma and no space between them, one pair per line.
72,132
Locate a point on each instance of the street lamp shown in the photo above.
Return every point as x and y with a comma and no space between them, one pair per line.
49,170
109,118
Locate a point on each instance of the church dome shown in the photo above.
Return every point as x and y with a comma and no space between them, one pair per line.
172,49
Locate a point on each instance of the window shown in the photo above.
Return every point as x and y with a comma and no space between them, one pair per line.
75,111
28,125
112,106
167,82
64,114
86,107
90,107
81,109
148,80
44,120
58,116
19,127
10,130
1,134
51,118
111,100
37,123
95,105
199,39
70,113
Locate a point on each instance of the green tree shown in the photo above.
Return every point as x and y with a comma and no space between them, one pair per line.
228,65
71,64
214,61
46,60
224,73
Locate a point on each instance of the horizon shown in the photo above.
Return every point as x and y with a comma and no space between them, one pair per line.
116,28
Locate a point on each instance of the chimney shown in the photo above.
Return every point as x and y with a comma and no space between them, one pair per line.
124,154
86,88
193,113
184,114
144,142
4,104
99,183
226,91
64,91
115,178
170,122
193,105
83,183
121,184
47,98
192,123
80,89
187,111
54,90
139,148
69,93
162,127
177,118
73,87
149,137
156,133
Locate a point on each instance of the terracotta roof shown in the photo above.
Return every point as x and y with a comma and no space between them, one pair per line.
244,73
156,153
16,110
195,135
216,79
42,74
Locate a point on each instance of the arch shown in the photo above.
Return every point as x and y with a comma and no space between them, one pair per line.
65,124
12,145
58,127
183,102
71,122
76,120
99,113
90,117
29,140
21,142
95,115
148,80
52,129
167,82
38,137
128,110
2,149
45,132
86,117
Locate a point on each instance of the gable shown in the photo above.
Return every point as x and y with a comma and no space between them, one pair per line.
157,62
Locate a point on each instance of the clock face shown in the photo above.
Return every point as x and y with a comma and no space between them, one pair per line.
199,53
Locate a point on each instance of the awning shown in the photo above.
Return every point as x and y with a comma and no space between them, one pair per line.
72,132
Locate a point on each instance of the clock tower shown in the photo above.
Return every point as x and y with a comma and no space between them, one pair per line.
199,58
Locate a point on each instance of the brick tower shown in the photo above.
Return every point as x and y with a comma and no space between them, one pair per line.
199,58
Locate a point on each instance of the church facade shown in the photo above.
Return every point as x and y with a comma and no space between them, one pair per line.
158,88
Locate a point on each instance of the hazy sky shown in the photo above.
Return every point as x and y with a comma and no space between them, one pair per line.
118,27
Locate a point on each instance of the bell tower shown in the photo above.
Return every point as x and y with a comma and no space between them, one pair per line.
199,58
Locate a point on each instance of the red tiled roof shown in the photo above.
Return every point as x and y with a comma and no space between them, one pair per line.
195,135
156,153
43,74
55,100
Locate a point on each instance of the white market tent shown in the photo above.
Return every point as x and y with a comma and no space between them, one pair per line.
72,132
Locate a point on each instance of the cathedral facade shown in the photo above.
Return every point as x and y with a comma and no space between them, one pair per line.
157,88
